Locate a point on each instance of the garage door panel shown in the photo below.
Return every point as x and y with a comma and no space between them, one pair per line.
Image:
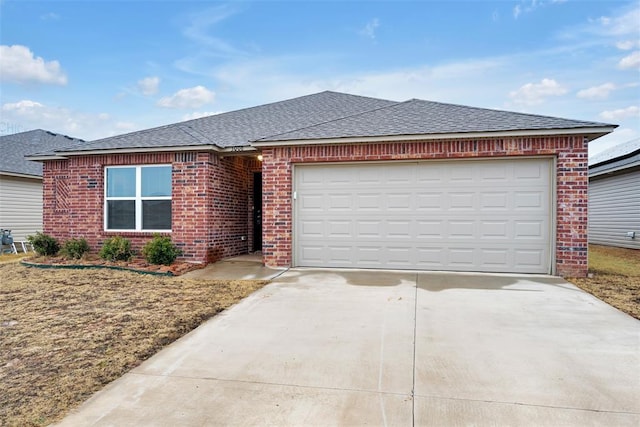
312,202
399,202
339,254
461,257
430,229
498,174
531,257
494,258
494,229
462,201
536,172
530,229
487,215
529,200
432,258
312,229
313,254
340,229
432,201
462,229
368,229
369,202
339,201
494,201
399,256
399,229
368,255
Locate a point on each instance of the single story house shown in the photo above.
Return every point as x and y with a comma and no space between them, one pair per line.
614,196
338,180
21,179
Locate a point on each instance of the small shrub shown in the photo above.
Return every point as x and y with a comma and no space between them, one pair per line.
116,248
75,248
43,244
160,250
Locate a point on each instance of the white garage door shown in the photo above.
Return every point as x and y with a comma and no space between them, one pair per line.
476,215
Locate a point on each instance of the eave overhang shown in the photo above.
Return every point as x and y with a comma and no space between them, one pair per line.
228,151
590,133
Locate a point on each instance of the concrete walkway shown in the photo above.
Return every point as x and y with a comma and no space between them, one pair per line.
328,347
243,267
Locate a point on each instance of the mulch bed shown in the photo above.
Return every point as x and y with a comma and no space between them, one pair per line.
136,264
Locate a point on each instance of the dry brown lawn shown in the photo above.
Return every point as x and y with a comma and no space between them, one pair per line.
64,334
615,277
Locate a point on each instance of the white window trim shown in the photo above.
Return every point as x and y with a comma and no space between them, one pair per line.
138,198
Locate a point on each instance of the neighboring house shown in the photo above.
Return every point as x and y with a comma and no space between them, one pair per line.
337,180
21,179
614,196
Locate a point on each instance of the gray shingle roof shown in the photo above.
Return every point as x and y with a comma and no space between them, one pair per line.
418,117
329,115
14,147
238,128
623,157
620,150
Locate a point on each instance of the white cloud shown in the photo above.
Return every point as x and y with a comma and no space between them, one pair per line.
517,11
199,30
630,61
20,66
51,16
21,107
621,113
536,93
29,114
369,30
627,44
528,6
194,97
623,24
199,114
597,92
149,85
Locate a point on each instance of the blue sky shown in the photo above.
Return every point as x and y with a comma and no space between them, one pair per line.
92,69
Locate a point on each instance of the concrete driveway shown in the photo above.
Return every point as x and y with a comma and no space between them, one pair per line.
331,347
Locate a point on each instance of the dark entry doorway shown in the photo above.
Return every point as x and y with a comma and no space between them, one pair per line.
257,211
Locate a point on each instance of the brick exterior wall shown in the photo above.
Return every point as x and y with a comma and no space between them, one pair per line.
571,185
210,201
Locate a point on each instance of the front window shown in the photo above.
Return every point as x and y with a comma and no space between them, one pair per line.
138,198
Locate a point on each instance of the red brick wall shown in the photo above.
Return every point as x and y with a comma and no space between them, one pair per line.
571,183
210,198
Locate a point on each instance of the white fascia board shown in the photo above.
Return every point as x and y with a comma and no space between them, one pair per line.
138,150
45,157
63,155
21,175
595,132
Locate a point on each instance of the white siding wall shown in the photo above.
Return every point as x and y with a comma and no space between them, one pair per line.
614,210
20,206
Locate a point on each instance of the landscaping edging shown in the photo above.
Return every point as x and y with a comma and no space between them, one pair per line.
89,266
